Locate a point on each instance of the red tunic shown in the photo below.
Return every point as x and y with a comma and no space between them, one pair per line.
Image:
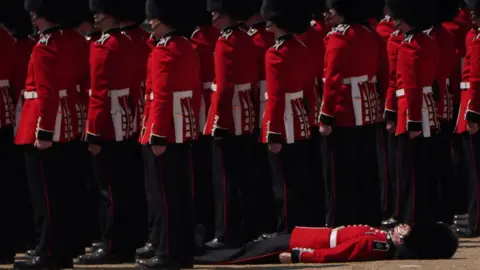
176,90
140,54
46,113
7,108
445,69
386,27
151,42
109,113
382,75
351,63
263,40
416,70
290,82
465,84
343,244
473,101
203,40
313,39
393,45
236,63
21,52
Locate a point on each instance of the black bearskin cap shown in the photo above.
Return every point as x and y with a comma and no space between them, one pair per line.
17,20
256,6
111,7
172,13
237,9
353,11
203,17
473,5
292,16
78,12
428,241
133,10
416,13
319,7
375,8
51,10
446,10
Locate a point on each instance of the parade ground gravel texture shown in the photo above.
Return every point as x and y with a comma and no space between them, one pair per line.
467,257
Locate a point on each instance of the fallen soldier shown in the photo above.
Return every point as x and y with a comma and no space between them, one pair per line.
343,244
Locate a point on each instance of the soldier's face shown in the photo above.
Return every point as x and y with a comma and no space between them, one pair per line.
332,17
475,18
33,17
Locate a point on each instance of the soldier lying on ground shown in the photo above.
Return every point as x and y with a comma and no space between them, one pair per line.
343,244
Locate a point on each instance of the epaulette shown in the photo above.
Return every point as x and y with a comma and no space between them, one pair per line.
163,41
396,33
225,34
278,43
341,28
102,39
386,18
477,36
252,31
408,38
195,32
428,31
44,39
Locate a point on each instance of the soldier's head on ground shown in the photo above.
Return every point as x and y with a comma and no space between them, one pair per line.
446,10
166,16
45,11
291,17
427,241
228,12
412,14
346,12
106,13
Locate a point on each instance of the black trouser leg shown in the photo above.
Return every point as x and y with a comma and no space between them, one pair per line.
232,186
317,214
153,189
7,194
202,179
173,199
386,160
341,149
459,201
471,156
291,185
111,168
47,181
415,170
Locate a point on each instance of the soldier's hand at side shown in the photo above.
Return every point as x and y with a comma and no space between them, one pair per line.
472,127
94,149
285,257
275,147
158,150
325,130
391,127
42,145
414,134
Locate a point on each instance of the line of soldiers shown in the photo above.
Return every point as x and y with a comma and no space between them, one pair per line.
249,117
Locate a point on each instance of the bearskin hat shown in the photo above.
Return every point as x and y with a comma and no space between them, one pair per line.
51,10
416,13
292,16
473,5
111,7
78,12
446,10
172,13
237,9
319,7
428,241
375,8
203,17
132,10
17,20
353,11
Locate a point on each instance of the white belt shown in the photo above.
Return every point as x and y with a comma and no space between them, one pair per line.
4,83
333,238
401,92
464,85
33,94
118,93
238,87
363,78
207,85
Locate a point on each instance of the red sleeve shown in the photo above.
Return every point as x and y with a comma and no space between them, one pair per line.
473,110
391,98
45,64
410,68
98,106
223,94
362,248
336,58
161,111
456,79
198,91
275,104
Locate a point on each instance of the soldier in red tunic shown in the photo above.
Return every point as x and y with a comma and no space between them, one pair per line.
416,117
349,112
44,129
467,126
231,122
109,125
171,127
289,110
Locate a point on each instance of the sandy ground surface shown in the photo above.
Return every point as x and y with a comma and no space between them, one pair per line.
467,257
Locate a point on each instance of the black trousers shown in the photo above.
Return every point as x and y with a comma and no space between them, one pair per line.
442,188
111,170
461,168
471,155
317,215
291,185
415,172
233,188
170,181
351,177
386,160
48,185
202,180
